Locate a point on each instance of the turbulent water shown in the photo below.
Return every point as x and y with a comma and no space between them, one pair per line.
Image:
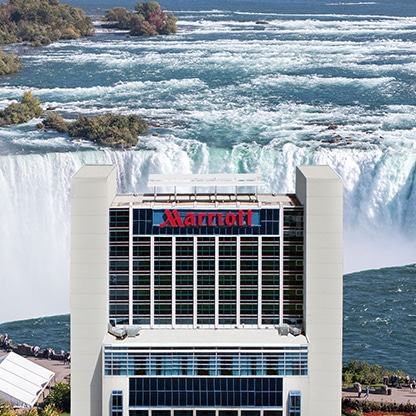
227,93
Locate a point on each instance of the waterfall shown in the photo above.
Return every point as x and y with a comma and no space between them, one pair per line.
379,206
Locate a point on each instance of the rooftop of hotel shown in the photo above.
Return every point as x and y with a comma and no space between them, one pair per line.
206,191
199,338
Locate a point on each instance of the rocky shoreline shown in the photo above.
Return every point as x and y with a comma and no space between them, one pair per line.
26,350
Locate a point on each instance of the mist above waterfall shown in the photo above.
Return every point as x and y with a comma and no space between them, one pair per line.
35,211
321,83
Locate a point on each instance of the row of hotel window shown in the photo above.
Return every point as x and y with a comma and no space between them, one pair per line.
287,363
183,412
206,392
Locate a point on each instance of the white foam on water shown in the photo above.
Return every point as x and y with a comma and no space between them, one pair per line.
258,121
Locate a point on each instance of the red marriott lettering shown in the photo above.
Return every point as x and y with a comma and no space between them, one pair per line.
208,219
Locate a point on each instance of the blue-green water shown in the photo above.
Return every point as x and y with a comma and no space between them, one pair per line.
46,332
379,320
228,95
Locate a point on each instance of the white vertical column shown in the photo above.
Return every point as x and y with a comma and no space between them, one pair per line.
173,281
195,269
260,282
131,264
217,280
152,281
92,190
320,191
238,281
281,257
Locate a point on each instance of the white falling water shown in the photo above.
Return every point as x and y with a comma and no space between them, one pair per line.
380,201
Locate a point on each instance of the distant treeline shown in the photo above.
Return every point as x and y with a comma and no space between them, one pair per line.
40,22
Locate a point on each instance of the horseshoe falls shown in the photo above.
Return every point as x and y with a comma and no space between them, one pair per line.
243,87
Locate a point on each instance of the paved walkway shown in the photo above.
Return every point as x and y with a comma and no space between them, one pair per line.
403,395
62,371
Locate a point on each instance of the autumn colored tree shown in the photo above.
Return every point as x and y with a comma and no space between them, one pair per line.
147,19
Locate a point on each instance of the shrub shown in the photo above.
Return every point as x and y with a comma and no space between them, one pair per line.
109,130
147,19
120,16
9,63
365,373
6,409
55,122
58,398
16,113
40,22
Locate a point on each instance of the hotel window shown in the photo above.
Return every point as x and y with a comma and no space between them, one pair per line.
116,403
222,392
119,266
294,403
249,280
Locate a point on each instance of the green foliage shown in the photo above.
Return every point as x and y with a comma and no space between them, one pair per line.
365,373
22,112
9,63
114,130
6,409
58,398
109,130
40,22
121,16
352,407
56,122
148,19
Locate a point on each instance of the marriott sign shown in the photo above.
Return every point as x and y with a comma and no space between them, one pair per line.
181,219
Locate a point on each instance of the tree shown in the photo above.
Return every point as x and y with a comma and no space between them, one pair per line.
55,122
147,19
120,16
109,129
58,398
41,22
16,113
9,63
365,373
6,409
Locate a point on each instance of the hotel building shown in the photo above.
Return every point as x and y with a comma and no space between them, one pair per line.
204,297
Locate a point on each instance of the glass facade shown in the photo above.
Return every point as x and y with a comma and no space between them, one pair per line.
116,408
206,269
294,403
210,280
205,392
240,362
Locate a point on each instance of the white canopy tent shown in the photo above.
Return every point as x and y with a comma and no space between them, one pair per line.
22,381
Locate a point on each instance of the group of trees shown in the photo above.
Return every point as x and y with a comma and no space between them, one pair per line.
364,373
56,402
9,63
38,22
114,130
17,113
147,19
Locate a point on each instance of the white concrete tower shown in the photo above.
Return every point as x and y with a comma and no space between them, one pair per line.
320,190
92,191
